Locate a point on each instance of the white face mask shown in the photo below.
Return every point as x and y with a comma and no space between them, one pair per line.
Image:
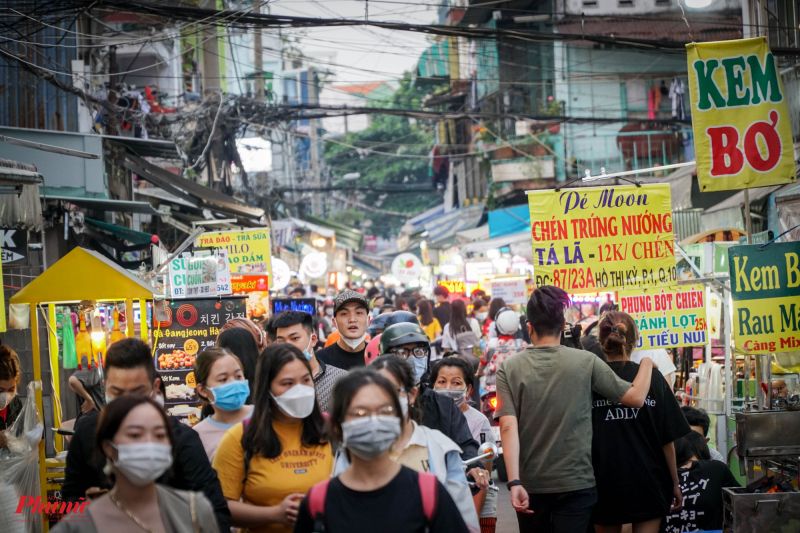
297,402
6,398
143,462
353,343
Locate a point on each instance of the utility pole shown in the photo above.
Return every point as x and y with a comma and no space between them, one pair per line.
211,77
316,171
316,197
258,56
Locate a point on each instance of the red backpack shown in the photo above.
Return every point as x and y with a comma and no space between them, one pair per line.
318,493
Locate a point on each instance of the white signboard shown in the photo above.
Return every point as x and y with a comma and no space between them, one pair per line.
407,268
513,291
193,277
281,274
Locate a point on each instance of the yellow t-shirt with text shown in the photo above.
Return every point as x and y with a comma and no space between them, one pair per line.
269,481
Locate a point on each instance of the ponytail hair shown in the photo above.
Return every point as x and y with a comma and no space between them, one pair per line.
618,334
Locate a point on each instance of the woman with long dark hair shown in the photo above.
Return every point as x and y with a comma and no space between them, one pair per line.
633,451
425,449
244,343
134,437
267,463
430,325
374,492
462,334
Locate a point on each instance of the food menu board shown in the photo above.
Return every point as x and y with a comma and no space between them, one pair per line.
185,328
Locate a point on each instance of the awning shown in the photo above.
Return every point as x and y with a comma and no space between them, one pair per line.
121,232
481,233
509,220
759,193
16,174
163,196
187,189
315,228
347,237
417,223
443,229
497,242
83,275
145,147
105,204
680,185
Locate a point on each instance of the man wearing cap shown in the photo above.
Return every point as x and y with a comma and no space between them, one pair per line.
351,317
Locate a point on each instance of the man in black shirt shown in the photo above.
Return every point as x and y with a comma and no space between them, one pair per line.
442,310
129,369
351,316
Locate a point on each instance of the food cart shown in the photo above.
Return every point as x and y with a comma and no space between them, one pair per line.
78,276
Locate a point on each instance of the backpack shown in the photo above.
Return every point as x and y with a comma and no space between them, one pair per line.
468,343
318,493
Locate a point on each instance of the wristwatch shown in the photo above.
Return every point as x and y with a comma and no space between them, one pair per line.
513,483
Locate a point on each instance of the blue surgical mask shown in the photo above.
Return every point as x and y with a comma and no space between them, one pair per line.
230,396
307,352
420,365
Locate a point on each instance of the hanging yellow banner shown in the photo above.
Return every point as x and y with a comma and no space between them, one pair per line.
740,116
670,317
596,239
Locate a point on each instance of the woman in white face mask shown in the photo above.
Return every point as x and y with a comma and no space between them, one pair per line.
374,492
134,436
419,447
266,463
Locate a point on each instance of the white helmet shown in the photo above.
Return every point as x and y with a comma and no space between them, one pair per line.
506,321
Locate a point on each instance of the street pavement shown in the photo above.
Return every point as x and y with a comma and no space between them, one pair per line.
506,517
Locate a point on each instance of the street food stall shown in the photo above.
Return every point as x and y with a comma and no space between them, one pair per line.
80,276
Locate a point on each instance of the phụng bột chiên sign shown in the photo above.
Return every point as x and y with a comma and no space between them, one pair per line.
596,239
740,115
668,317
765,285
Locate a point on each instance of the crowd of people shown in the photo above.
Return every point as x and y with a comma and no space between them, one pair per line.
372,412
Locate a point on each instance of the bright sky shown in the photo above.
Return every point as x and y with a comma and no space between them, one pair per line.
359,54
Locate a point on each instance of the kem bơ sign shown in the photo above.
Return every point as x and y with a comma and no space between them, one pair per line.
765,285
596,239
740,116
669,317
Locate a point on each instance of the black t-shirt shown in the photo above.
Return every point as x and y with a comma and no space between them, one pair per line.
396,507
334,355
633,480
701,485
442,313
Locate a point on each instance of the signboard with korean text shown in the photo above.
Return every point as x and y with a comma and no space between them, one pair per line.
596,239
185,328
200,277
513,291
765,286
668,317
249,255
740,115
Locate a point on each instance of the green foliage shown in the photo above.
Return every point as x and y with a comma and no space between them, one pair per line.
392,135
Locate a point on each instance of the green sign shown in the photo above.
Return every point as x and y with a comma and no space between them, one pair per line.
765,285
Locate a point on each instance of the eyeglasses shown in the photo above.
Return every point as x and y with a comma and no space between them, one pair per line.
386,410
419,351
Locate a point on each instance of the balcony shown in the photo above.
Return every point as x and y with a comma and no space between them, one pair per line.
629,150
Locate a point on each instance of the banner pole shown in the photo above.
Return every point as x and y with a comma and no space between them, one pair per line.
748,223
